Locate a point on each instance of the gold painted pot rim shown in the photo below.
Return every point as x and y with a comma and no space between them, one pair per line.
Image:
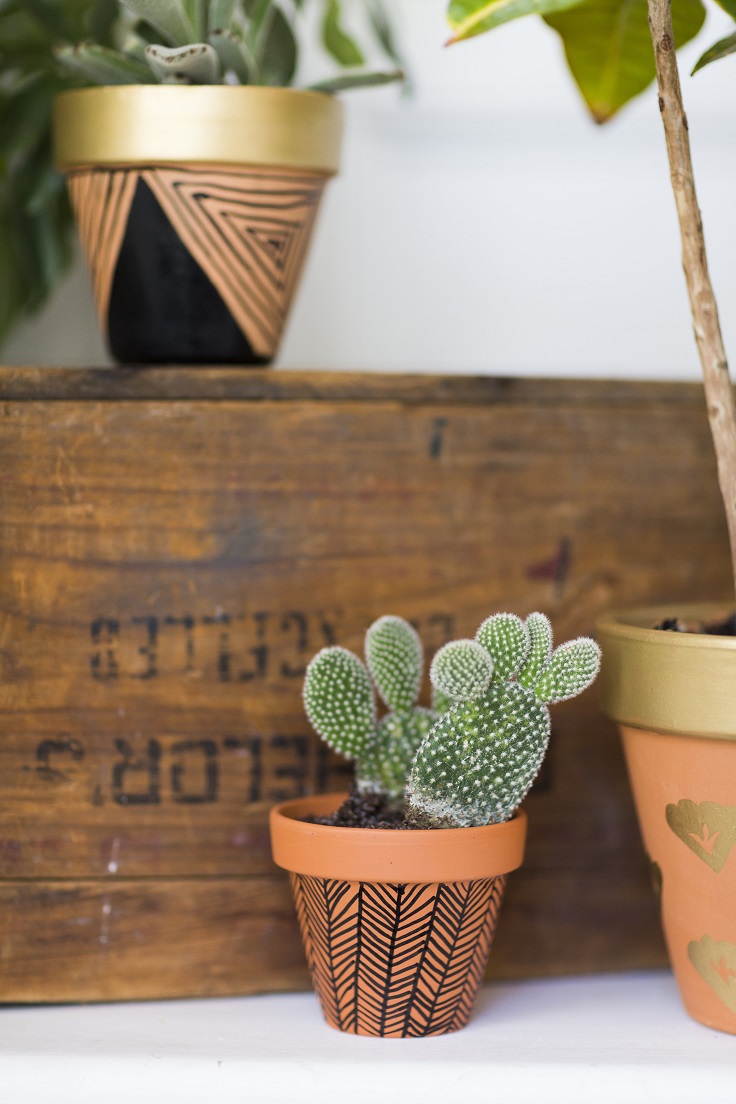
680,683
214,124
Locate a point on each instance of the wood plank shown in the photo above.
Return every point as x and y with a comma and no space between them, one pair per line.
151,938
169,564
23,384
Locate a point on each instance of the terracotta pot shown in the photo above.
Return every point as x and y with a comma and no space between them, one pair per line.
195,206
397,925
674,697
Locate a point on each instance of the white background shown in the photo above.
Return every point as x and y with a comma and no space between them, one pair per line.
485,224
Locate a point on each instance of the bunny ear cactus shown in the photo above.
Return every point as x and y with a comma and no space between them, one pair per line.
481,757
341,704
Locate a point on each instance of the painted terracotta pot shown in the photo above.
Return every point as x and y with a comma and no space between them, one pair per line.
397,925
674,697
195,206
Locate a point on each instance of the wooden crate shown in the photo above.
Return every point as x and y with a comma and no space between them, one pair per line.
174,546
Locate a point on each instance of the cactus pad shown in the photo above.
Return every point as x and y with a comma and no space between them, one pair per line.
394,655
540,636
339,701
383,767
479,760
571,669
461,670
506,639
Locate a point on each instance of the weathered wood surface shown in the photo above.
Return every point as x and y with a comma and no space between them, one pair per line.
175,544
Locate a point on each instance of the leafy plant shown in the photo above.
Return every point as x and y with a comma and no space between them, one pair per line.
47,46
666,25
472,763
607,42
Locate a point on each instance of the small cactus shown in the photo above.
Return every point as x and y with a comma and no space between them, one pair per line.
340,702
480,758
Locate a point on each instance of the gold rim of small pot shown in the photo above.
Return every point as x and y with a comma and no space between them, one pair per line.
411,855
680,683
213,124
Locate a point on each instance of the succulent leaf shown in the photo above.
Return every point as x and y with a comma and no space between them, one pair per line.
167,16
505,637
339,700
461,670
234,55
195,64
478,761
572,668
395,659
384,766
540,635
101,65
357,78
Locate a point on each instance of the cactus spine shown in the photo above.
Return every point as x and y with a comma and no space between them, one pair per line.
480,758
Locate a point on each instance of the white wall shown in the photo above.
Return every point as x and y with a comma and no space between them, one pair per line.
486,225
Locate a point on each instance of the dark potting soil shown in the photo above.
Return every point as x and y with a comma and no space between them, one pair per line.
713,628
363,811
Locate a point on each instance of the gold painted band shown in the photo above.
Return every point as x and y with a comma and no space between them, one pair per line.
217,124
668,681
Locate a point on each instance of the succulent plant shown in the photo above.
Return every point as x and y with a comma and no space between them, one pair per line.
47,46
226,41
340,700
480,758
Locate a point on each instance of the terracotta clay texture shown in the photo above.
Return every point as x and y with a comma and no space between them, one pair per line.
672,694
401,955
686,801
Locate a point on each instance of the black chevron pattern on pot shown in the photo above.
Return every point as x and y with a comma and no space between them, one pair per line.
465,920
394,959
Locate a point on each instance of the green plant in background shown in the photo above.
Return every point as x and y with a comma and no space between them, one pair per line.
615,48
607,42
47,46
340,701
472,761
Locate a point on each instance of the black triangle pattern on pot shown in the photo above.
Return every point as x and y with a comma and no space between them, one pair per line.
394,959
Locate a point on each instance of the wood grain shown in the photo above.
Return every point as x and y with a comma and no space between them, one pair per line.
175,545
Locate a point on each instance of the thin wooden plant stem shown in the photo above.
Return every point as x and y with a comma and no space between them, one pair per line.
719,393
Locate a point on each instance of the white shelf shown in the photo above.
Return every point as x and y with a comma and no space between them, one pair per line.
618,1038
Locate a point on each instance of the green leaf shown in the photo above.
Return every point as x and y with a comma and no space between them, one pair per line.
358,78
384,31
234,55
472,17
609,48
167,16
103,66
194,11
335,39
728,6
277,51
220,15
718,50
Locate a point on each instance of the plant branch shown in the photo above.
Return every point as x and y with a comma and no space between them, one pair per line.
719,393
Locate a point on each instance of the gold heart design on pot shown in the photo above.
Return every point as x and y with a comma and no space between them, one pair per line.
716,964
708,829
